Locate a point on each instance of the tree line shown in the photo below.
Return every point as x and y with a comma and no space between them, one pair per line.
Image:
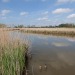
67,25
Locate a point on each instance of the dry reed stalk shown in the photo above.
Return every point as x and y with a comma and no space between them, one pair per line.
11,54
58,31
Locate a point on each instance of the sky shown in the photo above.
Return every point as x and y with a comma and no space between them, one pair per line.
37,12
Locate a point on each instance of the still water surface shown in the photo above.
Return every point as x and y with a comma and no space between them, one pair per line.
58,53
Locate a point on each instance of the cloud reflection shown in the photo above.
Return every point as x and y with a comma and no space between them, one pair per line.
60,44
71,40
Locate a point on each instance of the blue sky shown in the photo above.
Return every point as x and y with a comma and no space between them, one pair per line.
37,12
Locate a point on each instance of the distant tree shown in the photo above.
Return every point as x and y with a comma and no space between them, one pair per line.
66,25
33,26
19,26
15,27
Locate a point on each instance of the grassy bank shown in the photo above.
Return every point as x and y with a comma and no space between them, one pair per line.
12,52
52,31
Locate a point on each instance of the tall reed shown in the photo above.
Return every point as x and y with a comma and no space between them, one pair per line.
52,31
12,52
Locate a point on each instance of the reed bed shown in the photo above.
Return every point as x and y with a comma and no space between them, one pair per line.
53,31
12,52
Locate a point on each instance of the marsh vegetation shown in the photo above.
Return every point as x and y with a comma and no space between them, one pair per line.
12,53
48,51
52,31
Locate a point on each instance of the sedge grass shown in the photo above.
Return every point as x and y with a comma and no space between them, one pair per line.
12,54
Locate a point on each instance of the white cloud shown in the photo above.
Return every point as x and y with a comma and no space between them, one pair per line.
42,19
65,1
61,10
4,12
45,13
24,13
5,0
71,16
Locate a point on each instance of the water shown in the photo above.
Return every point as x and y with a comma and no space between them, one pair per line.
58,53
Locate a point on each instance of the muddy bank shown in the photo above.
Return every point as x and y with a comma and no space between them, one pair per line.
26,66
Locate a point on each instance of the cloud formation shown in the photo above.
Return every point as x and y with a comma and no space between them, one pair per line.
71,16
42,19
4,12
50,12
61,10
24,13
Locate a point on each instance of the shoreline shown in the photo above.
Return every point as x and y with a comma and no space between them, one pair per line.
50,31
46,31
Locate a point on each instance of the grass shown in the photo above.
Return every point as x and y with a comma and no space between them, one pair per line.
12,52
52,31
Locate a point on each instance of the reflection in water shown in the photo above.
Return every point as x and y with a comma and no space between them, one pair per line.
71,40
57,53
60,44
